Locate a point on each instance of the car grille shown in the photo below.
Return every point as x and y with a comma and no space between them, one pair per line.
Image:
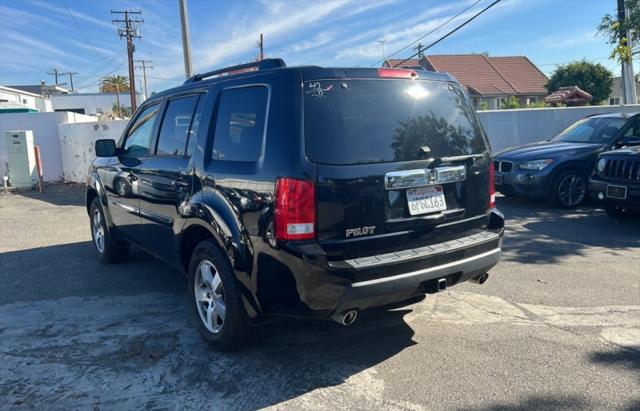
502,166
627,169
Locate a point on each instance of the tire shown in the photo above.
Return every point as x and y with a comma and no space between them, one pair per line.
569,189
212,286
615,211
107,249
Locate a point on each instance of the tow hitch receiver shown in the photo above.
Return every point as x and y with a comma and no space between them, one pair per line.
435,286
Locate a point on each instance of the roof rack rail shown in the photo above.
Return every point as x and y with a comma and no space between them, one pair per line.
265,64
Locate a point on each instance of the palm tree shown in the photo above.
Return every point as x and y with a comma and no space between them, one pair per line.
110,84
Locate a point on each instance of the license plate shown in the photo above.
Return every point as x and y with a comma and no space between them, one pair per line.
498,179
618,192
423,200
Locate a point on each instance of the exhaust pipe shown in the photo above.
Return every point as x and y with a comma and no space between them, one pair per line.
481,279
346,318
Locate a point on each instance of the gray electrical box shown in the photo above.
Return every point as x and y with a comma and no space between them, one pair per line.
23,172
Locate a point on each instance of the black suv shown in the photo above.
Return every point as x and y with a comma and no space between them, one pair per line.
301,191
616,179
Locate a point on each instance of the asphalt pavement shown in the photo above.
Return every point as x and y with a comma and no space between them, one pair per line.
556,326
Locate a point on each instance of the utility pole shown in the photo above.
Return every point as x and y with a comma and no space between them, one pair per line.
144,65
186,38
70,74
260,45
55,73
419,48
128,28
381,42
628,81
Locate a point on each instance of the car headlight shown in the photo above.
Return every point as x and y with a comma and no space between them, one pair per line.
600,165
535,164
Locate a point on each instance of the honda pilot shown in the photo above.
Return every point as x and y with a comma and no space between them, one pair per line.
301,191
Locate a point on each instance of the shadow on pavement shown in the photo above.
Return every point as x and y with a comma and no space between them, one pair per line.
628,359
73,270
537,233
65,314
540,402
57,194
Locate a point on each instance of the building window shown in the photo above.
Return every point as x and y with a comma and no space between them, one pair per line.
614,101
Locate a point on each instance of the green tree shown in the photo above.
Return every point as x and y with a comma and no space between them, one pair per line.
612,28
593,78
121,111
115,84
511,102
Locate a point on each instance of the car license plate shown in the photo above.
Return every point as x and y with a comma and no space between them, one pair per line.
617,192
423,200
498,180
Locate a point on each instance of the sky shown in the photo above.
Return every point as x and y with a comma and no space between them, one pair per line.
78,35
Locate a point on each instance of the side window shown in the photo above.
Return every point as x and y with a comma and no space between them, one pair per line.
634,130
176,126
139,138
240,124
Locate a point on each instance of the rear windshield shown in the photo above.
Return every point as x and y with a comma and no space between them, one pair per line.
377,121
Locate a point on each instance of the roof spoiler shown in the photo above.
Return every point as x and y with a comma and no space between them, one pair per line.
265,64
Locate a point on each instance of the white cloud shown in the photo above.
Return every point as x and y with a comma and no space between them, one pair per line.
274,27
60,9
320,39
29,44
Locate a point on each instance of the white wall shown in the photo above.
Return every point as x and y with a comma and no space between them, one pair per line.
508,128
45,134
91,103
77,145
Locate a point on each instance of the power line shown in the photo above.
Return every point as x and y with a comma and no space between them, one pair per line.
451,32
449,20
102,76
86,38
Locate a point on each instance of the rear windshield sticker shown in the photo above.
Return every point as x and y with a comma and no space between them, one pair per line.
316,90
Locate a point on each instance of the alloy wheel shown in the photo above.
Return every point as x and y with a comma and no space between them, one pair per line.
571,190
98,231
209,294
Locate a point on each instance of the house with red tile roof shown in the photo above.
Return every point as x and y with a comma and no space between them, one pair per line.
487,79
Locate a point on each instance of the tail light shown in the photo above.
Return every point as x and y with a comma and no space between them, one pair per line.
295,213
492,187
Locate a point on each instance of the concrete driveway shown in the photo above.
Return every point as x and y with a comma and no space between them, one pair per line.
557,326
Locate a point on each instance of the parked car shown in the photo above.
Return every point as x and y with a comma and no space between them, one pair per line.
304,191
558,169
615,182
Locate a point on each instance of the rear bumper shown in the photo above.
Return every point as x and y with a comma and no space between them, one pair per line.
386,290
321,288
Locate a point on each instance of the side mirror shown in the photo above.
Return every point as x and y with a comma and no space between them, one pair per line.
105,148
630,141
